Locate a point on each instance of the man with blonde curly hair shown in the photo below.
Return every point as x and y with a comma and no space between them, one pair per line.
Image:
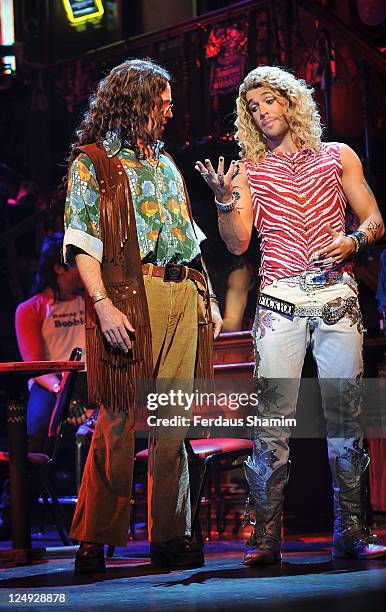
294,189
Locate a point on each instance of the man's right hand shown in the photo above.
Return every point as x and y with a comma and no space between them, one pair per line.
114,325
220,183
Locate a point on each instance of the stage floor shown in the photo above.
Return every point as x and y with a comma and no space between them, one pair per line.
307,581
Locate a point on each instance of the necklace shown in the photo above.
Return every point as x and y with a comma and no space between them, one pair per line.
301,194
291,162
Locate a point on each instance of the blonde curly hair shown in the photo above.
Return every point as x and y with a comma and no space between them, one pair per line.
302,115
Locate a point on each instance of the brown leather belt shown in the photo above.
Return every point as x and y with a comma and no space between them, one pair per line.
174,273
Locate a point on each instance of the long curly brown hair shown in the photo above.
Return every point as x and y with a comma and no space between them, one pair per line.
124,101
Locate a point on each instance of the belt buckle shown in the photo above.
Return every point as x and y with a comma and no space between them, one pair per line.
305,280
334,311
311,279
174,273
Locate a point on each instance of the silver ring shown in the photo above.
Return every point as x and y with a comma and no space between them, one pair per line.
220,176
204,173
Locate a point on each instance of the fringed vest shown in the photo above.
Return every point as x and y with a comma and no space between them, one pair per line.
112,376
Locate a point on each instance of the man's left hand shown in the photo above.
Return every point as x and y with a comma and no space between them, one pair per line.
216,318
339,249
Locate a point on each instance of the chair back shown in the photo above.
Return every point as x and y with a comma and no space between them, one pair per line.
61,408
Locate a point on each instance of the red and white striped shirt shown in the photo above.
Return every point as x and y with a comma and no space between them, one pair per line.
294,196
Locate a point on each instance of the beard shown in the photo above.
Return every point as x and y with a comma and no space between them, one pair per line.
156,127
159,130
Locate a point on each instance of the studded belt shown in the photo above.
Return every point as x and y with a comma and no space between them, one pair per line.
315,279
331,312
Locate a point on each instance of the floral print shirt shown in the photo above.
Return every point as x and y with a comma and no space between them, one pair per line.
165,232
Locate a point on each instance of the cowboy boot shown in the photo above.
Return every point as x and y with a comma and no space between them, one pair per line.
264,545
352,537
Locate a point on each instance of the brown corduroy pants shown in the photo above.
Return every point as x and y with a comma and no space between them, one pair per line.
103,509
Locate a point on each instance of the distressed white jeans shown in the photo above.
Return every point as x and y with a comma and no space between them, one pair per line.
280,345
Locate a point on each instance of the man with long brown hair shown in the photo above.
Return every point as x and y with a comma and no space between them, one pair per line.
149,313
295,190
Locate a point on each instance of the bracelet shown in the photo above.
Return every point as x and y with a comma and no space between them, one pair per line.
361,240
97,297
355,241
225,208
213,298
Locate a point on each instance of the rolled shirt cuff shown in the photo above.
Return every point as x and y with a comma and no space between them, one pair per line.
84,241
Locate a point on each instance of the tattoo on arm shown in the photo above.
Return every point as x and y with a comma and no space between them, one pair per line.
237,197
236,172
373,228
367,187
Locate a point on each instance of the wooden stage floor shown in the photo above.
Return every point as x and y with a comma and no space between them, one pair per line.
307,581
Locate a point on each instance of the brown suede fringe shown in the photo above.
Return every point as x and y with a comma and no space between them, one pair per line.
204,361
117,380
113,376
114,214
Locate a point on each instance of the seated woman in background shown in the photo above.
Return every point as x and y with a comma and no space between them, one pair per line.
48,326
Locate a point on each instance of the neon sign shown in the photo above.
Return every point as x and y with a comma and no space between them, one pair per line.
79,11
7,38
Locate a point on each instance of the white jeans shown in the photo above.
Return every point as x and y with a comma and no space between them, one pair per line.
280,345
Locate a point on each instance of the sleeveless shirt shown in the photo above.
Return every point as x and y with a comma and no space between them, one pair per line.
294,197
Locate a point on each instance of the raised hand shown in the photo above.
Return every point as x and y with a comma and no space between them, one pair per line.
220,183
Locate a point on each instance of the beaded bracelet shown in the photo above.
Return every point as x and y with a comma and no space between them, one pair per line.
360,239
226,208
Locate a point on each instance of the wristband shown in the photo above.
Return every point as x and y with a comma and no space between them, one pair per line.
226,208
97,297
361,240
355,241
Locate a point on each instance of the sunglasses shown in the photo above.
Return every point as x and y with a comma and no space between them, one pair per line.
167,108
